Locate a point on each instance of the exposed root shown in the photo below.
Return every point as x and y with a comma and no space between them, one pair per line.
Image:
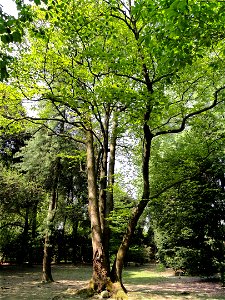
118,292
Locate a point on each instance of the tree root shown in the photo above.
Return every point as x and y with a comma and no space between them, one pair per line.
118,292
111,290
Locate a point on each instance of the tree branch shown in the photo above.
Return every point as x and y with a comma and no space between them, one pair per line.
163,76
156,195
130,77
195,113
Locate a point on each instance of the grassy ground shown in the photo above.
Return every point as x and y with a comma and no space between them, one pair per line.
143,283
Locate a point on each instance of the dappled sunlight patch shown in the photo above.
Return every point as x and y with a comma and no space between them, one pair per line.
70,291
140,296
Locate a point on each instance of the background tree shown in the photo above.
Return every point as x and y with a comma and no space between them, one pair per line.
44,160
190,236
19,202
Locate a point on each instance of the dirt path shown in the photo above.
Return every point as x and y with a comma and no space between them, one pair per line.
142,284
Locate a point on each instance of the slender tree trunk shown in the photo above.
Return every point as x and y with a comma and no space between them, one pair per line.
103,184
47,258
116,273
111,180
103,168
100,273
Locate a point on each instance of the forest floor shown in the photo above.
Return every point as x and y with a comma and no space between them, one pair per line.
147,282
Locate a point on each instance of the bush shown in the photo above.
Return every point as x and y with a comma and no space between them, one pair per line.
192,261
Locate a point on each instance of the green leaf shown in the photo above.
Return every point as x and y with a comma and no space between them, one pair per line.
7,38
3,72
2,28
16,35
37,2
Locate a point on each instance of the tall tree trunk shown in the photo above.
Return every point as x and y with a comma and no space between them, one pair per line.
100,273
111,180
47,258
116,273
103,183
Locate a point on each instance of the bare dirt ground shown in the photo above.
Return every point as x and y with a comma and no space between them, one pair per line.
142,283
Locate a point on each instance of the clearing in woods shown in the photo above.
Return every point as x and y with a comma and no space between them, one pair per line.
147,282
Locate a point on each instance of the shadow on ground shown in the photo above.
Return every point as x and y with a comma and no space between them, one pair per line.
143,283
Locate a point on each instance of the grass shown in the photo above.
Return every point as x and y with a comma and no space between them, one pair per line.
143,276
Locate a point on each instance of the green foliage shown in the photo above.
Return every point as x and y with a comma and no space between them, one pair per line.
18,199
70,228
188,218
12,32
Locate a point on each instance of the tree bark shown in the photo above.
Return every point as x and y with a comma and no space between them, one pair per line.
103,167
47,258
99,279
103,183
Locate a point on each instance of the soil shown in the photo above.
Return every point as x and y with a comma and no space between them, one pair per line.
25,283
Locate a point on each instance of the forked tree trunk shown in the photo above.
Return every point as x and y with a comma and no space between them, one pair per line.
99,279
47,258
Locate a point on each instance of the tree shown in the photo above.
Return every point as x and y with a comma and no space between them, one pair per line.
43,160
157,69
19,201
12,31
166,110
